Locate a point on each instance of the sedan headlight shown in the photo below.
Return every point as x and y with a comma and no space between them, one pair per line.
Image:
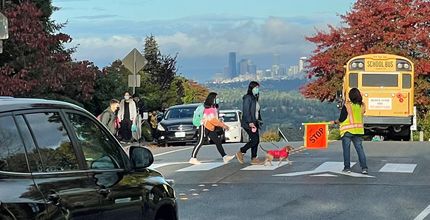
160,127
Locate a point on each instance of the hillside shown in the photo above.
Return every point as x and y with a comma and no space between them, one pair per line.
282,106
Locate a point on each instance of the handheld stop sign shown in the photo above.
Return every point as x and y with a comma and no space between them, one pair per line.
316,135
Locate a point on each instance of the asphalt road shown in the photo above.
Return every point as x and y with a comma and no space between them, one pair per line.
312,187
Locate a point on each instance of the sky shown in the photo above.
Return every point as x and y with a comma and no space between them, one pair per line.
200,32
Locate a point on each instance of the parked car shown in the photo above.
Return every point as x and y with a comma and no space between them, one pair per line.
57,161
236,133
177,125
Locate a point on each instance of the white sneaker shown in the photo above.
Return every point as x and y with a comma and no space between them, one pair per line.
194,161
227,158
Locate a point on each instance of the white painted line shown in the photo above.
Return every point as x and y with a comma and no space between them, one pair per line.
173,151
423,214
201,167
156,166
262,167
334,167
325,175
355,174
298,173
398,168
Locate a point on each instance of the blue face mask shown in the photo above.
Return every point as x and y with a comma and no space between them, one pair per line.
255,91
217,101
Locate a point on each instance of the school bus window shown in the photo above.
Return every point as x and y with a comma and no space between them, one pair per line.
353,80
378,80
406,81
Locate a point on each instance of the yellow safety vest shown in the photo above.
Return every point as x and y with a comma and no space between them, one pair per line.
354,122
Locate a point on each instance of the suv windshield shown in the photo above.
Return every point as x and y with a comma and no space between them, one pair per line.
180,113
229,116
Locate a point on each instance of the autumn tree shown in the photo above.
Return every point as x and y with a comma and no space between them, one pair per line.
35,62
399,27
194,92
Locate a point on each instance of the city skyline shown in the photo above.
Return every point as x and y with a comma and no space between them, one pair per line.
247,70
201,35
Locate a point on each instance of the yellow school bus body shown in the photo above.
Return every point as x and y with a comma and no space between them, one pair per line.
386,83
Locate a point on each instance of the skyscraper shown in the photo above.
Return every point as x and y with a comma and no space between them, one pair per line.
243,66
232,64
302,63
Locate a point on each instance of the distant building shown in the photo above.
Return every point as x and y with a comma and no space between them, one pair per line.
302,63
275,71
232,64
252,68
243,66
259,74
282,71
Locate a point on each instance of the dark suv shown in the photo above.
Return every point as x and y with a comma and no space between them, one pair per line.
58,162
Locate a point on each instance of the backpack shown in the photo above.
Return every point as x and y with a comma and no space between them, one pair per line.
99,117
198,115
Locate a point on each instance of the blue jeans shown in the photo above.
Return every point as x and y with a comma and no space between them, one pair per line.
346,143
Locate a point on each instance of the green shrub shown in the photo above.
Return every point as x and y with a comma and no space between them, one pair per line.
270,136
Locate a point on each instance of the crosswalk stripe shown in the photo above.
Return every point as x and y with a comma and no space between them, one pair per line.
202,167
398,168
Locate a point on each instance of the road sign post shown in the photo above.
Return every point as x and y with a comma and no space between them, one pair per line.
4,33
134,61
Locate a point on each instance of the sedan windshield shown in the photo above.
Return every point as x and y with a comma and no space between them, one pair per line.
180,113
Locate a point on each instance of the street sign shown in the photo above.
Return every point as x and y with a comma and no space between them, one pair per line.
4,33
133,80
134,61
316,135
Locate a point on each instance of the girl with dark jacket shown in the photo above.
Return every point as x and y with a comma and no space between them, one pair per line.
251,122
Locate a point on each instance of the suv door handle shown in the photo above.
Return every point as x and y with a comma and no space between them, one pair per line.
103,191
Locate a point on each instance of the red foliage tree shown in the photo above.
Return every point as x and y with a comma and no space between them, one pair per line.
399,27
34,62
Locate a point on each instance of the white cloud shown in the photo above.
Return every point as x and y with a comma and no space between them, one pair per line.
105,49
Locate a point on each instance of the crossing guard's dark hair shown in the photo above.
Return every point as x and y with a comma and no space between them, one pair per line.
355,96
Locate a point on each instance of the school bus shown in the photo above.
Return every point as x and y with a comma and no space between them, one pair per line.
386,83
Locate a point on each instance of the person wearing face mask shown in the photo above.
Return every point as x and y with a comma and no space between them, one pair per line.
251,122
127,115
108,117
210,123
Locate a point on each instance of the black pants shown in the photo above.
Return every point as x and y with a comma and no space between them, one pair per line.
201,137
213,135
125,130
254,140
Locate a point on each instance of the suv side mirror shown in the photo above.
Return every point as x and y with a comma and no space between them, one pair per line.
141,157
